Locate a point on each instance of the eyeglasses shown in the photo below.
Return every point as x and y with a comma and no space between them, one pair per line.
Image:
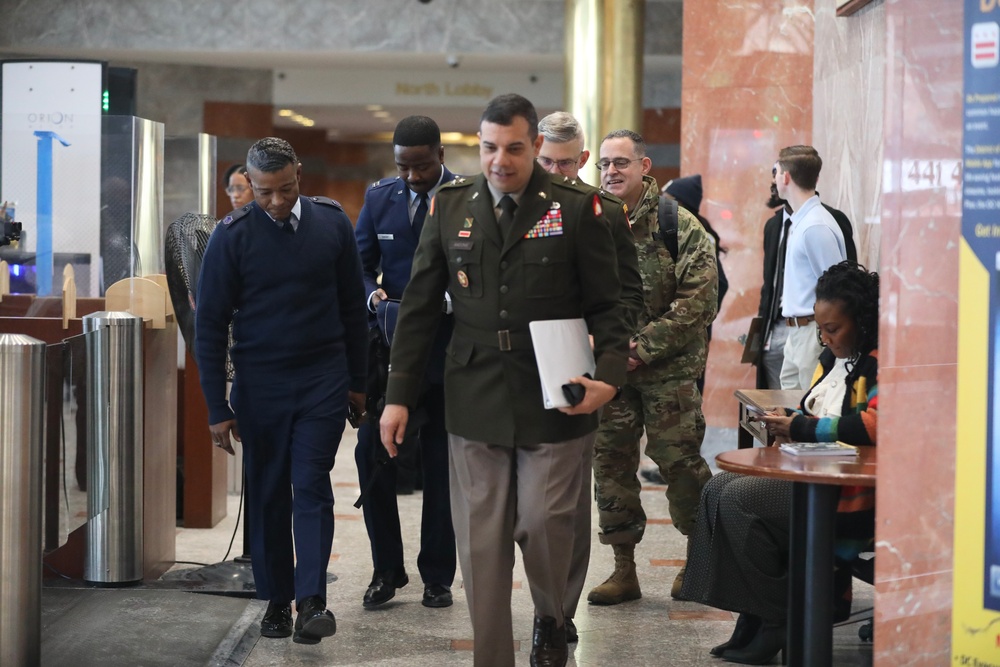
567,163
619,162
236,189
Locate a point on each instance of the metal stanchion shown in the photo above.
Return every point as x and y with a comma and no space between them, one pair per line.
22,388
114,449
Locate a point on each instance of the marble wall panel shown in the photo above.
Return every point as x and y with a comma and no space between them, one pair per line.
467,26
848,105
920,232
748,89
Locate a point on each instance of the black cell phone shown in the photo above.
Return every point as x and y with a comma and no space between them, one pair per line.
574,392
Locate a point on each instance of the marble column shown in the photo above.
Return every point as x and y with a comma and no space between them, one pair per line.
921,228
604,55
747,92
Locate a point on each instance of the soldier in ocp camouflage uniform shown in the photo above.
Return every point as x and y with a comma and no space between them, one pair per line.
668,354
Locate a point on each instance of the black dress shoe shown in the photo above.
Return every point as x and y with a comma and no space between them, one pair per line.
548,644
436,595
572,636
383,588
277,621
767,643
747,626
313,622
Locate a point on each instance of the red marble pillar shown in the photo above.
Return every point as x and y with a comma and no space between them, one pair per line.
921,228
747,92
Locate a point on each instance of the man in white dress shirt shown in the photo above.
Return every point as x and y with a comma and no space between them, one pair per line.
815,243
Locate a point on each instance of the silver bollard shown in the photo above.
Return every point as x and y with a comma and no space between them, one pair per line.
114,448
22,394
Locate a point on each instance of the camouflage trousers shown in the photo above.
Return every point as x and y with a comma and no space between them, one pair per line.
670,414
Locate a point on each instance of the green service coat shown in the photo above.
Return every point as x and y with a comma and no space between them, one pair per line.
500,284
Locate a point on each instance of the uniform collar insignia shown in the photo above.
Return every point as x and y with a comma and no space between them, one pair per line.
542,195
475,194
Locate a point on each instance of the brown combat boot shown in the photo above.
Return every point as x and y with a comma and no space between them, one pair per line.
675,589
623,584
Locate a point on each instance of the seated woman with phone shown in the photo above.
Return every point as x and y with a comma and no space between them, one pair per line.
738,552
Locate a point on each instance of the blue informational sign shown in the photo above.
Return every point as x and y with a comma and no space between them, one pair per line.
981,230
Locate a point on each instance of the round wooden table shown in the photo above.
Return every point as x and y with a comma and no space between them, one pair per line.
816,482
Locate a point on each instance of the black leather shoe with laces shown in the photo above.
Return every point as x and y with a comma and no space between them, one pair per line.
313,622
277,621
436,596
383,588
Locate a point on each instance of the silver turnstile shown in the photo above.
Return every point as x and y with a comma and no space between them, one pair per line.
114,449
22,391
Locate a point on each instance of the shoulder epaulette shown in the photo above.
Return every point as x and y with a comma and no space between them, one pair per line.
610,197
574,184
326,201
457,182
383,183
236,215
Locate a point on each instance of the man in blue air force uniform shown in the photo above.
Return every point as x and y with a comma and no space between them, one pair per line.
388,229
285,271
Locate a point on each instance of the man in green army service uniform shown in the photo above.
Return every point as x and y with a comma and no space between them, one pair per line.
512,246
666,356
563,153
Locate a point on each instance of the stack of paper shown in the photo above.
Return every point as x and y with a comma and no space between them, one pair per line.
819,449
562,351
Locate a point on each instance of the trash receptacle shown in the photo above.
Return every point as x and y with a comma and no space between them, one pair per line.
22,392
114,448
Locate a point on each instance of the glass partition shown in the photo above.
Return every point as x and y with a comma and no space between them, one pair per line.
88,190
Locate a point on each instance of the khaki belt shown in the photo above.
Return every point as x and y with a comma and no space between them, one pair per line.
504,340
798,321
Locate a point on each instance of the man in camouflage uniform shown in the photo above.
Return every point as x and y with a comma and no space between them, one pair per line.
667,355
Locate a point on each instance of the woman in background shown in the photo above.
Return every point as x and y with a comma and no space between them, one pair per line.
738,552
237,186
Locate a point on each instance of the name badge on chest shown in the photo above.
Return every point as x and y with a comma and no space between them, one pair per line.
385,237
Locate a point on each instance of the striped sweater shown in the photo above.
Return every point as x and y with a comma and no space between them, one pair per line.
857,424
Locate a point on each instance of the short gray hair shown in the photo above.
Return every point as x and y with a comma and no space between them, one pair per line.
561,127
271,154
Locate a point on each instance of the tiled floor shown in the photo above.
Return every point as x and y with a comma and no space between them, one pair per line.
655,630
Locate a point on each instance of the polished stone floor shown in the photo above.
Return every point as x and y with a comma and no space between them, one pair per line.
653,631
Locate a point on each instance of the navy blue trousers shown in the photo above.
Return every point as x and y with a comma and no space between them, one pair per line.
290,432
437,560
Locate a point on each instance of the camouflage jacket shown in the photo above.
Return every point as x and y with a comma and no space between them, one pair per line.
681,299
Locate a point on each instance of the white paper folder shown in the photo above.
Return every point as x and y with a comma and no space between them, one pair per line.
562,351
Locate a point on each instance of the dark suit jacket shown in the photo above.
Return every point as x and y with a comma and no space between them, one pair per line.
387,242
501,283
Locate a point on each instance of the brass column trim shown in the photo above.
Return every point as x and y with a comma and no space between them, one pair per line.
604,51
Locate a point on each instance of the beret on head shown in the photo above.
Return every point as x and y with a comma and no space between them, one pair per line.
687,191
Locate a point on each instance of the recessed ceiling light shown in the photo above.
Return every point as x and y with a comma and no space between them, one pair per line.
285,113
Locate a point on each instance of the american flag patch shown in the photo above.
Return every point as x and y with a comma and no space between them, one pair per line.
550,225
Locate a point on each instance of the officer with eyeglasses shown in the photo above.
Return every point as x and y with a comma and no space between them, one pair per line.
237,186
667,354
563,153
